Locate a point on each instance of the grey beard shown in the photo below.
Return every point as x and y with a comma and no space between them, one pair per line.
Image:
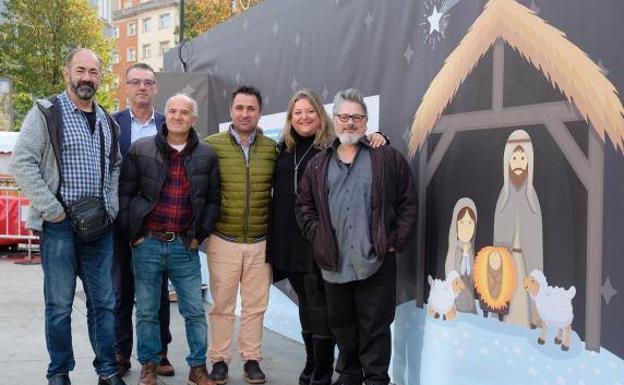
349,138
84,91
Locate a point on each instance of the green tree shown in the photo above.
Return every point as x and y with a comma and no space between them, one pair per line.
34,40
201,15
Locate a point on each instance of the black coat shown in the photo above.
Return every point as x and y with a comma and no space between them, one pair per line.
287,250
143,175
393,204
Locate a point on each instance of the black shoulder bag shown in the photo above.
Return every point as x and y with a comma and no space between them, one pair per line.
88,215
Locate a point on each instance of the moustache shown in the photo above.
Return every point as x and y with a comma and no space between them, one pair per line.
86,83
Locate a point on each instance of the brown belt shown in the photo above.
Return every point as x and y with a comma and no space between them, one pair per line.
514,250
164,236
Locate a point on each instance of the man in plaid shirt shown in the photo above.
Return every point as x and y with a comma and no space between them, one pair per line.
64,143
169,200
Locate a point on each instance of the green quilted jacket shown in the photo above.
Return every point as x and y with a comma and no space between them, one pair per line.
245,189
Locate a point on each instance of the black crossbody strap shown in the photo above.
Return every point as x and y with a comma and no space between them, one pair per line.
102,145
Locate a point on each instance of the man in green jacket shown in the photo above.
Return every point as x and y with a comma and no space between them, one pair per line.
236,249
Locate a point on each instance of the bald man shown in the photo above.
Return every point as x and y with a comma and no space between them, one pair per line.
68,152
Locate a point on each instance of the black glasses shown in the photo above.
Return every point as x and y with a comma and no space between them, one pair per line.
357,118
137,82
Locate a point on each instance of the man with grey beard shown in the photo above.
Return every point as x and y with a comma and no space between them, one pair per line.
357,206
68,151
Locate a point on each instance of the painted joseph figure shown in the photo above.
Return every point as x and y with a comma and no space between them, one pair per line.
518,222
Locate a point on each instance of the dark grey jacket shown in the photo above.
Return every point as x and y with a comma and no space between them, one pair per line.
143,175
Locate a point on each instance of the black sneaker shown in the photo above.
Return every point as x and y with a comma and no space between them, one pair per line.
59,379
112,380
219,373
253,373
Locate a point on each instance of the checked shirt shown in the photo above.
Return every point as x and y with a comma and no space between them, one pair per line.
81,164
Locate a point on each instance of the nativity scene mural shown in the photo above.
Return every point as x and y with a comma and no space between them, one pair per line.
532,258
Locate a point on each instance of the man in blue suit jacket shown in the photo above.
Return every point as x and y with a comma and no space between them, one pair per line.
137,121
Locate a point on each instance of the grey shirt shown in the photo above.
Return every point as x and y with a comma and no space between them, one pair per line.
349,194
245,148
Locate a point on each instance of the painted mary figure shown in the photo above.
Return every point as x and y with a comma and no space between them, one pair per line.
460,255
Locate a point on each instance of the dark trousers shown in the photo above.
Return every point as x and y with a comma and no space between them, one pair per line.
124,299
312,303
360,314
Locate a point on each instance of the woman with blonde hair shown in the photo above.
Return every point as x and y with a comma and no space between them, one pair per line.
308,130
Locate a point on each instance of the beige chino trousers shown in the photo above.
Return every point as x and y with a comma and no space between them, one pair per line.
229,264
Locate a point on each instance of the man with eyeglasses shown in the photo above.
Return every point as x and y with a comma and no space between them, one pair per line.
357,206
137,121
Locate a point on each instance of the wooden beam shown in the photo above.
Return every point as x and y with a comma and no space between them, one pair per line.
571,151
595,217
498,75
507,117
421,229
438,153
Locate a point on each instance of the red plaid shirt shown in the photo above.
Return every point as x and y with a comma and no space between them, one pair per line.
173,212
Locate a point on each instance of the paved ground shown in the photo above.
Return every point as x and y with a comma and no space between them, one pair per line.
23,356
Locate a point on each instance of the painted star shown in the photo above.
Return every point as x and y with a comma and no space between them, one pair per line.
608,291
188,90
325,93
368,20
434,20
408,53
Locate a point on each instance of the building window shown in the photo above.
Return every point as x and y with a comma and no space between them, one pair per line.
147,51
127,3
115,56
116,82
116,32
165,20
147,24
164,46
131,29
131,54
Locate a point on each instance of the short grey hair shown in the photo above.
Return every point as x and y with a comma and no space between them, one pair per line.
181,95
350,95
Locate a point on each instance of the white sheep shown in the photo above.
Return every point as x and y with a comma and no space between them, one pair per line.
554,306
442,295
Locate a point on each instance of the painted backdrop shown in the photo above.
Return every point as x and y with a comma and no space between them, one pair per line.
511,116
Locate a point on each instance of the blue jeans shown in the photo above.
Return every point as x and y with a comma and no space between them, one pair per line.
64,256
123,282
150,260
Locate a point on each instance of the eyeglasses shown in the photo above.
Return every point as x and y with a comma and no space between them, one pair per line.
357,118
137,82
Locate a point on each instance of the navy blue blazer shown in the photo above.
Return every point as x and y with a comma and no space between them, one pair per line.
125,125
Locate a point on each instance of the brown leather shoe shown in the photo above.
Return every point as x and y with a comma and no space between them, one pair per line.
165,368
199,376
123,364
148,374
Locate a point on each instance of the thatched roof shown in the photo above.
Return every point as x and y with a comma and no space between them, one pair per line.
564,64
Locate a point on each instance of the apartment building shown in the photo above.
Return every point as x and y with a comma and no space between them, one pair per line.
105,13
144,30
